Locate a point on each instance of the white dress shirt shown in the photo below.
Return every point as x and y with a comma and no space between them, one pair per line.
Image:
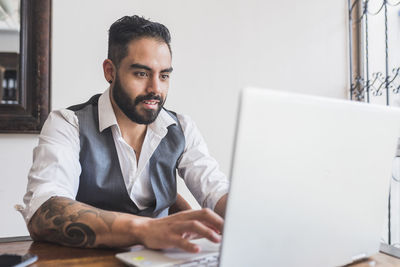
56,167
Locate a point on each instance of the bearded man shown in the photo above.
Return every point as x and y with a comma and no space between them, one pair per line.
104,172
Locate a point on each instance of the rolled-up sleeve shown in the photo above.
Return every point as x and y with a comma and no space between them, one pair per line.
199,170
55,170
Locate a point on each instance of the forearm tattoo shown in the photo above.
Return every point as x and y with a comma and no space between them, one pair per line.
68,222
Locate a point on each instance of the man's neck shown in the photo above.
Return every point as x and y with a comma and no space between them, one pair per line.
132,132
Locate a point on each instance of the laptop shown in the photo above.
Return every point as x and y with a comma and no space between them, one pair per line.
310,180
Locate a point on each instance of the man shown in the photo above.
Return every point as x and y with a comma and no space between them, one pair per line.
104,171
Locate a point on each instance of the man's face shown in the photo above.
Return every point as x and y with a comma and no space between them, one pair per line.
142,80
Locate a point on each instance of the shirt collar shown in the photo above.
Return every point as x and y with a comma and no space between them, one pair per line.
106,112
107,116
160,125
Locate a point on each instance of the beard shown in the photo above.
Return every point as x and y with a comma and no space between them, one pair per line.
130,108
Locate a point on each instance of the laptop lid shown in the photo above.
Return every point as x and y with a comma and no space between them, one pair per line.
310,179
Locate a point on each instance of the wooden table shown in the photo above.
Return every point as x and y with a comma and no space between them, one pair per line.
55,255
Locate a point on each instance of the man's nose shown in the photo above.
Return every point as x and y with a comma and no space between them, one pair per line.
154,85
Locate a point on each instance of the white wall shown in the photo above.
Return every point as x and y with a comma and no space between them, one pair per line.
15,160
9,41
218,48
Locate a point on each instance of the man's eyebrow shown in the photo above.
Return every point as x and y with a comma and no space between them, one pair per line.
170,69
141,66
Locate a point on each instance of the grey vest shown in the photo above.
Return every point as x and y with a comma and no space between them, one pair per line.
101,182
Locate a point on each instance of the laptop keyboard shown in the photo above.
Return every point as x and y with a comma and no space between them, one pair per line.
207,261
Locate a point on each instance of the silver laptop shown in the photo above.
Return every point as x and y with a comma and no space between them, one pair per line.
310,180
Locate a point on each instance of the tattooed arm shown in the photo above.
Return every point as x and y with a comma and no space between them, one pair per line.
71,223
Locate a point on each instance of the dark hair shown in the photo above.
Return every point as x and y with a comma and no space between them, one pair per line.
130,28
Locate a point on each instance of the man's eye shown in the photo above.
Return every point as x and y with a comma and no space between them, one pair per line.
164,77
141,74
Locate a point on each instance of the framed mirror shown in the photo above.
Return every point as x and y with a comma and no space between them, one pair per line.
25,76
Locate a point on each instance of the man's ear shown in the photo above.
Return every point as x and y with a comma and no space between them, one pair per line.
109,71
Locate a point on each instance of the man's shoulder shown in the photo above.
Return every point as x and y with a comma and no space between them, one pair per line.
62,116
94,100
178,117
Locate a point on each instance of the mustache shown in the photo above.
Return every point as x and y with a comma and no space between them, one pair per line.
150,96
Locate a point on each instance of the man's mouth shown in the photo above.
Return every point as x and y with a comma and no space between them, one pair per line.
151,104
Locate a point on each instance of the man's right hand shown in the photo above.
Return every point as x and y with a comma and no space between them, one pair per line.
72,223
176,230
